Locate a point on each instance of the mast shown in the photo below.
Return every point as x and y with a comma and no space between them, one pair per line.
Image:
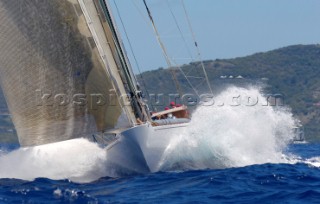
163,48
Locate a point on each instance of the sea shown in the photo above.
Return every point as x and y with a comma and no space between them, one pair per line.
237,150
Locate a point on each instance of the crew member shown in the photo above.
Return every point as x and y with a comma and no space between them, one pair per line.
172,104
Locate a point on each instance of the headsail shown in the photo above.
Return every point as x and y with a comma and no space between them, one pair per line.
59,70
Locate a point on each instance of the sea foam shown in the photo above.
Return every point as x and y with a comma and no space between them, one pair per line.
232,132
78,160
225,134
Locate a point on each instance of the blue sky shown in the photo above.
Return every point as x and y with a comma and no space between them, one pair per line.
223,28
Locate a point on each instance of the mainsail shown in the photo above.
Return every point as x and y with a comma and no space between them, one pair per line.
62,70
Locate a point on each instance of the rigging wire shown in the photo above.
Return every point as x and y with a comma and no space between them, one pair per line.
189,82
131,48
165,53
140,12
196,45
180,31
188,50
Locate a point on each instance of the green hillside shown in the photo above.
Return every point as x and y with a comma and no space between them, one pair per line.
293,71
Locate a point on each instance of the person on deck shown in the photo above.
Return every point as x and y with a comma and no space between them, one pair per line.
172,104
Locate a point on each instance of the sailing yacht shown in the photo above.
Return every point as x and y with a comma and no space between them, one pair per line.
65,75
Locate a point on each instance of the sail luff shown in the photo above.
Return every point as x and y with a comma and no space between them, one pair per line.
53,75
126,61
105,50
125,69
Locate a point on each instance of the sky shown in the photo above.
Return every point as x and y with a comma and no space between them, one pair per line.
223,28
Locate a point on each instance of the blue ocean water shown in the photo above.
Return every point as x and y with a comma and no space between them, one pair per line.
297,181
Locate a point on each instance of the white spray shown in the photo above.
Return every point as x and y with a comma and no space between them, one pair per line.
78,160
232,132
219,136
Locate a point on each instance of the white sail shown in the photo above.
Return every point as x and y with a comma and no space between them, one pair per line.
59,69
65,74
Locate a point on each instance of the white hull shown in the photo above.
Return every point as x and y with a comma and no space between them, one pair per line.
140,149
